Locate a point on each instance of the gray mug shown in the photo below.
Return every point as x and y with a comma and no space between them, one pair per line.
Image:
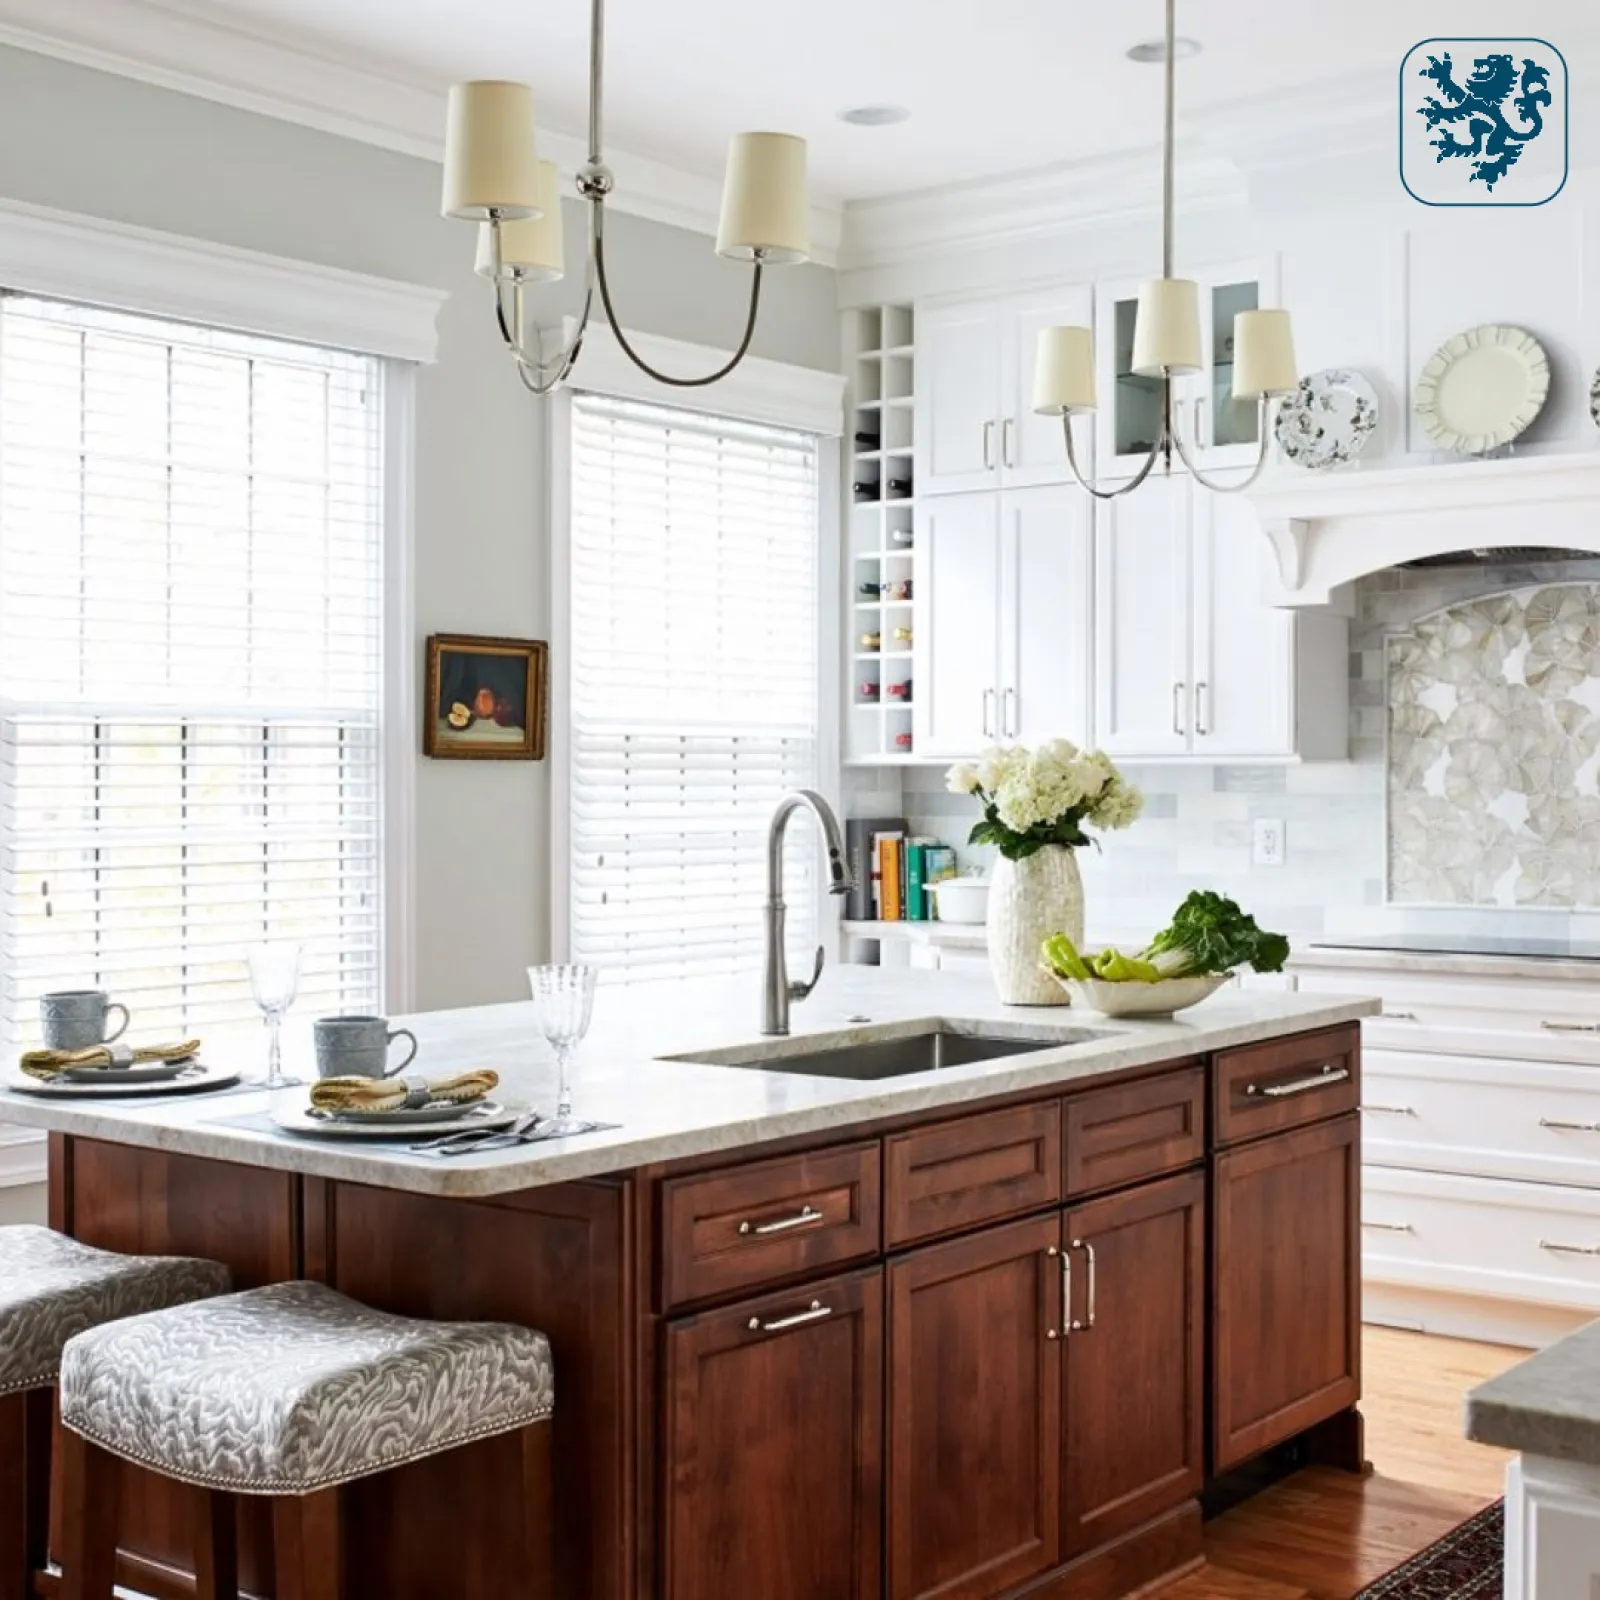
77,1019
358,1047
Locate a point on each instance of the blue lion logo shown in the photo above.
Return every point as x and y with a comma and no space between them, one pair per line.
1495,144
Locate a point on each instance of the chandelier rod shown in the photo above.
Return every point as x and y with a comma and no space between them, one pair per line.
597,24
1168,136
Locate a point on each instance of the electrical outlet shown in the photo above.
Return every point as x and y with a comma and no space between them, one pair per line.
1267,848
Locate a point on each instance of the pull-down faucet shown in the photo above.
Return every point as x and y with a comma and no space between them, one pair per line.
776,990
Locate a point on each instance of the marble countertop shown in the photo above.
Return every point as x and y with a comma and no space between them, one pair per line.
667,1110
1548,1405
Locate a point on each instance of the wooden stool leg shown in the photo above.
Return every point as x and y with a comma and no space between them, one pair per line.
40,1428
538,1512
307,1546
216,1546
15,1480
90,1484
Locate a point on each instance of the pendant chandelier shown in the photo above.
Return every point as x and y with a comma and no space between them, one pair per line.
1166,345
494,177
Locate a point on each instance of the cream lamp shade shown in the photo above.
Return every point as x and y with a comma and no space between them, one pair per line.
1063,372
765,205
1166,330
1263,354
532,249
490,158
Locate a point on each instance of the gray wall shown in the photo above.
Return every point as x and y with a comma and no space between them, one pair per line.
89,142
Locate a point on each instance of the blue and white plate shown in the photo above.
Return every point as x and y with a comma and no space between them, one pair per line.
1328,419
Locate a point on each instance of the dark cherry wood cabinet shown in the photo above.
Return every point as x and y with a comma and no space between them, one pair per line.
774,1446
974,1409
1286,1300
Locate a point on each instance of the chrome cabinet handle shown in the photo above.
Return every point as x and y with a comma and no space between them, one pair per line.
1398,1016
1570,1127
1177,709
988,713
1089,1291
803,1218
1388,1227
1388,1111
1570,1027
1198,413
815,1312
1202,693
1066,1297
1281,1091
1569,1249
1008,708
1006,428
988,447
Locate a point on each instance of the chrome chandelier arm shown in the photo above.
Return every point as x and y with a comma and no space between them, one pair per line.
1108,494
538,374
1263,404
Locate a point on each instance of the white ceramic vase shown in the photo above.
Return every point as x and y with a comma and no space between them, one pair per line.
1029,900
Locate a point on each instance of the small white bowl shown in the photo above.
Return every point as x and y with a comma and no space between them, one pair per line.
1142,999
962,899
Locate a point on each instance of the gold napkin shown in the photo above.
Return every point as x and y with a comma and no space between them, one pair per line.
390,1094
47,1065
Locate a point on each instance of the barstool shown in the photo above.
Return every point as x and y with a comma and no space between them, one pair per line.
288,1392
51,1288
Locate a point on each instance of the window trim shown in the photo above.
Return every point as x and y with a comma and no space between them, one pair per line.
787,396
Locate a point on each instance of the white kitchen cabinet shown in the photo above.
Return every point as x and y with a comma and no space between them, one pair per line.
1189,659
1003,604
975,425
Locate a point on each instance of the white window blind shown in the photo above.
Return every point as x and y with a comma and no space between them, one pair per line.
191,566
694,688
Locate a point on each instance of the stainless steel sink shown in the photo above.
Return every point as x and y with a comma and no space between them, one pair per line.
893,1050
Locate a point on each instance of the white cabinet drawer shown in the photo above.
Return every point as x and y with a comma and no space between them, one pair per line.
1487,1236
1535,1121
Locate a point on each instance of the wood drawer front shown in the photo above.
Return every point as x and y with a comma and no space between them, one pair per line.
1531,1242
768,1220
978,1169
1135,1130
1286,1083
1534,1121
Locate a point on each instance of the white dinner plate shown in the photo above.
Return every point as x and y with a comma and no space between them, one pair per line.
484,1116
1482,388
193,1077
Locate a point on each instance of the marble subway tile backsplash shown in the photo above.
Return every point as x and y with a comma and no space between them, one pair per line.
1197,829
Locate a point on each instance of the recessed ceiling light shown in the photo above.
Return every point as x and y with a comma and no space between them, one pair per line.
874,116
1155,50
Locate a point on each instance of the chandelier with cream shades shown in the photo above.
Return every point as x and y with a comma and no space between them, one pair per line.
493,176
1166,345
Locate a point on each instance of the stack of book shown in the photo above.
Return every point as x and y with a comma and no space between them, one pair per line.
892,869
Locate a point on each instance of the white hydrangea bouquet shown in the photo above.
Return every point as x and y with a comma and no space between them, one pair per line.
1035,798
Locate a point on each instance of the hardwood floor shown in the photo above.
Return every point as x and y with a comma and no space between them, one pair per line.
1323,1535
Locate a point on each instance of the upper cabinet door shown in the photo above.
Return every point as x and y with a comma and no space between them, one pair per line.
1129,414
1032,450
1048,612
1225,430
1141,570
1244,649
956,701
958,364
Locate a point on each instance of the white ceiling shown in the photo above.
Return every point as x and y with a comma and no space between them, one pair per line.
995,86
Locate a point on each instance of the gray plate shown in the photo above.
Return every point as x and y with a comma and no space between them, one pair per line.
416,1116
192,1078
299,1119
148,1072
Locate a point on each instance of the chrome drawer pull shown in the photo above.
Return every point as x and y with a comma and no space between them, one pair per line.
1570,1027
1088,1305
1389,1227
815,1312
1569,1127
1570,1249
1388,1111
1398,1016
1066,1293
803,1218
1281,1091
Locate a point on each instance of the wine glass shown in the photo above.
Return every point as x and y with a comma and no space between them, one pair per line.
274,981
564,1000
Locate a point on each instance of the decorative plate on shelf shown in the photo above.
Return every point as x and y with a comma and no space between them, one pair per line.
1328,419
1482,388
1594,399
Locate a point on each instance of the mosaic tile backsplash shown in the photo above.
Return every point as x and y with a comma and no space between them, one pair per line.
1196,831
1494,751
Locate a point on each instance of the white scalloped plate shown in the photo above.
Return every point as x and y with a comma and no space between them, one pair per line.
1482,388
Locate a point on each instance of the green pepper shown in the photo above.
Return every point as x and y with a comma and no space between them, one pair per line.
1063,958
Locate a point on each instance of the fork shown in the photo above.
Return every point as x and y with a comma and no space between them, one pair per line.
467,1140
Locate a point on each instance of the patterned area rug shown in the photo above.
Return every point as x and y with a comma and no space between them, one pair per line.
1464,1565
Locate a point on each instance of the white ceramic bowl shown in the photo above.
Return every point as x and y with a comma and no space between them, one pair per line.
1142,999
962,899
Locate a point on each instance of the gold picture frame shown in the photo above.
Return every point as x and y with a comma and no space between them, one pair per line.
487,699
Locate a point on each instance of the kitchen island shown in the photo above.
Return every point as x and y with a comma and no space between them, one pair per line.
991,1329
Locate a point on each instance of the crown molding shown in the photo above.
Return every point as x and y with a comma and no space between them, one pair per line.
181,46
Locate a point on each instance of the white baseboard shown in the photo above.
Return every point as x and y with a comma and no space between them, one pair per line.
22,1157
1455,1316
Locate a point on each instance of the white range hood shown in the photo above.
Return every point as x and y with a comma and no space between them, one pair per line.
1329,529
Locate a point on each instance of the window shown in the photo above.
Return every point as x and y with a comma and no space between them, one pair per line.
191,568
694,685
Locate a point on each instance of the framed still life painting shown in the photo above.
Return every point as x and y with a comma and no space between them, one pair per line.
485,698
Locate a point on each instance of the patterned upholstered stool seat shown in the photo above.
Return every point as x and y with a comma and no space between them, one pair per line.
295,1387
52,1287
